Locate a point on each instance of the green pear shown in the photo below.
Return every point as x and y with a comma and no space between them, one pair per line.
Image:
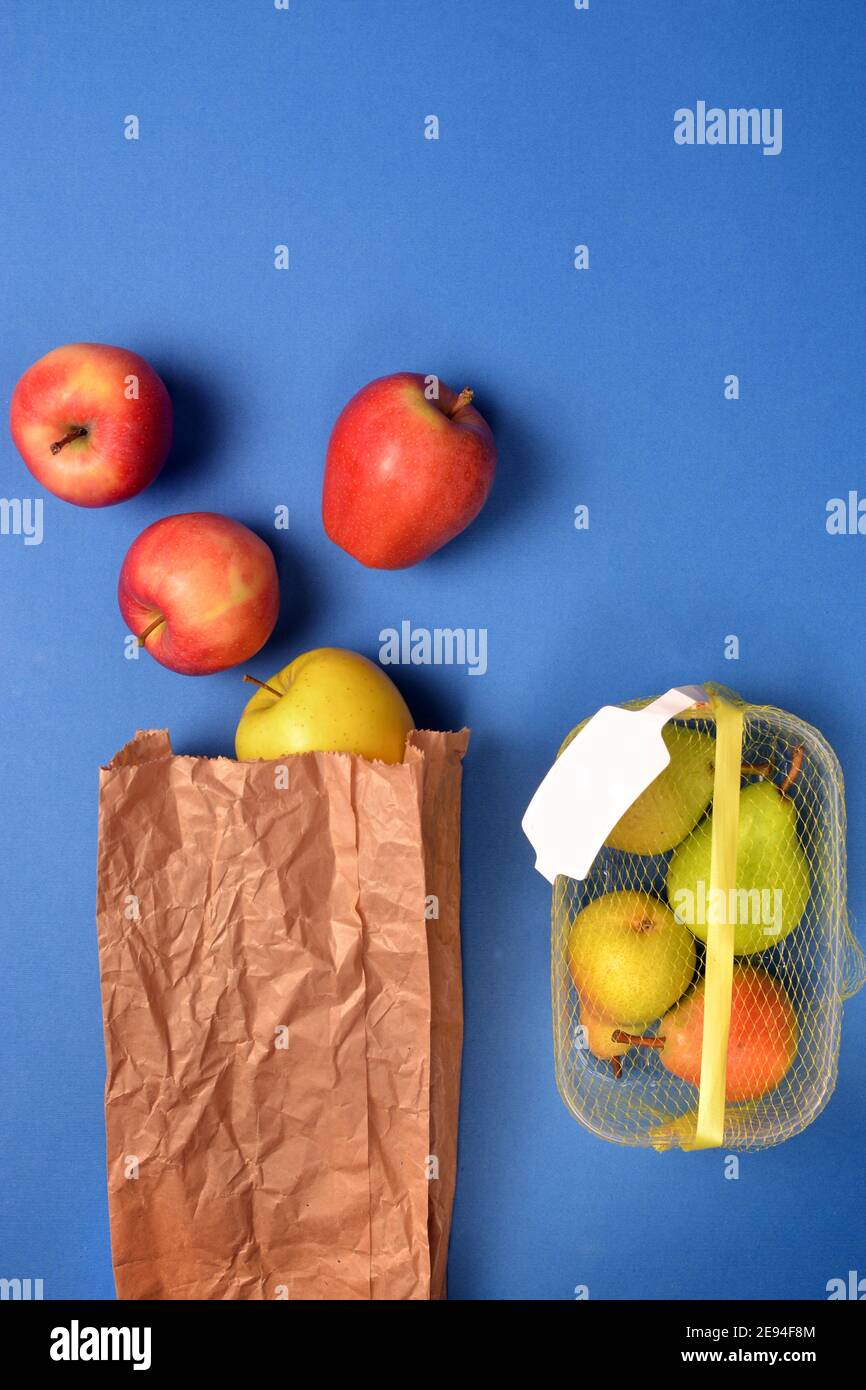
674,802
772,887
630,959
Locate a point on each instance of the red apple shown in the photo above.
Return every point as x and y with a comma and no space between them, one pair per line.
92,423
200,592
405,474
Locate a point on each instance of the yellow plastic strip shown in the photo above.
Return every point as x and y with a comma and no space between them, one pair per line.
720,931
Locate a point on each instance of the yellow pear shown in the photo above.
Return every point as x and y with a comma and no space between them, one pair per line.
629,957
598,1033
674,802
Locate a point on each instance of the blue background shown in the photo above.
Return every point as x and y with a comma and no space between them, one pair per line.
604,387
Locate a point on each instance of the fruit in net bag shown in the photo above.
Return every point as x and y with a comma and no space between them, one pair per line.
762,1039
629,958
772,887
785,898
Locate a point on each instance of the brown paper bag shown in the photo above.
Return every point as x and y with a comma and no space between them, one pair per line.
282,1021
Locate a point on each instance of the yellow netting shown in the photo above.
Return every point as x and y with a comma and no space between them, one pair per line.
629,944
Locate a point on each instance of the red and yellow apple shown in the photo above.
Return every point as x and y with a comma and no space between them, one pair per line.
93,423
406,470
200,592
331,700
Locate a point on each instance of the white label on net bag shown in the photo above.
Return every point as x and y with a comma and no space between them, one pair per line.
592,784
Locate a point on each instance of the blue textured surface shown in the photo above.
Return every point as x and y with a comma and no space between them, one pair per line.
604,386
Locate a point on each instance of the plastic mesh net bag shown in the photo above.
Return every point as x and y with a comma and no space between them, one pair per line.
665,941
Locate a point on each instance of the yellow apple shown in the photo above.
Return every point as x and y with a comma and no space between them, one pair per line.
328,699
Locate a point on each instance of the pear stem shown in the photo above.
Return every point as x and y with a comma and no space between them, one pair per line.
465,398
616,1064
78,433
635,1041
264,686
755,770
793,770
143,636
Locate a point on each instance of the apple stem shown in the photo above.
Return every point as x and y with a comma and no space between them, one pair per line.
636,1041
793,769
78,433
151,627
465,398
264,686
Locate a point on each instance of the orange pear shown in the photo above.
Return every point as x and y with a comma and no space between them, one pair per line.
762,1040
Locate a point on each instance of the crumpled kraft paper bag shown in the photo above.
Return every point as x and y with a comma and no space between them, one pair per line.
283,1022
